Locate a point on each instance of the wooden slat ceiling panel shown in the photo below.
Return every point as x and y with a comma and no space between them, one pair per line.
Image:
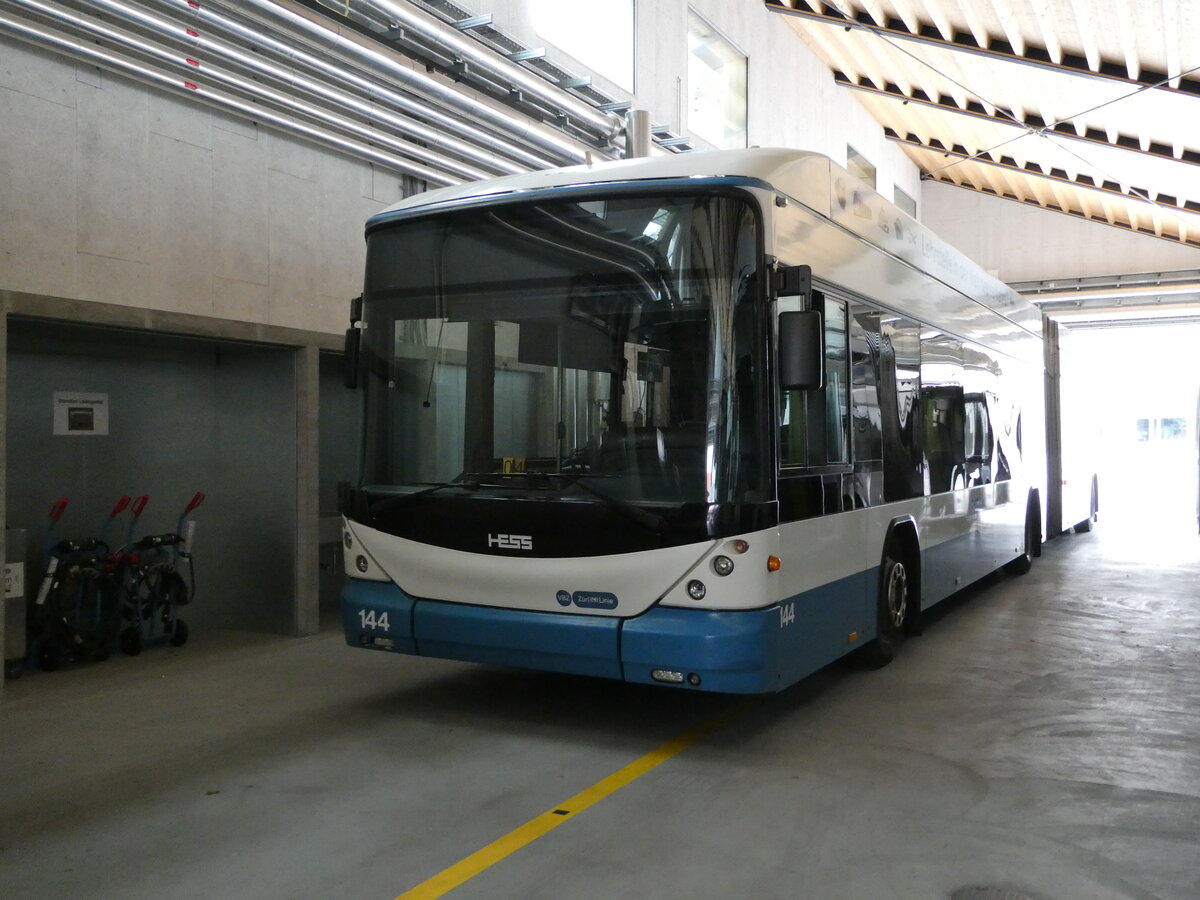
1048,94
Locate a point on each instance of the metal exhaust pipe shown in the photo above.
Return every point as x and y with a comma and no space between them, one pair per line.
637,133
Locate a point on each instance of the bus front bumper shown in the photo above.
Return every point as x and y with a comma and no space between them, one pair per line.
725,652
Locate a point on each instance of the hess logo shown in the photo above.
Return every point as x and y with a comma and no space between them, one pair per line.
511,541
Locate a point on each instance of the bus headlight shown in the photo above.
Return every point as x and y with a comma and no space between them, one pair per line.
696,589
722,565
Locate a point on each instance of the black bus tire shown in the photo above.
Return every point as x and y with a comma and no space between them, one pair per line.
131,641
891,609
1086,525
1023,563
50,656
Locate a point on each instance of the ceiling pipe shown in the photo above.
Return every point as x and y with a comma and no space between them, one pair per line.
342,71
254,89
605,125
92,55
331,39
258,63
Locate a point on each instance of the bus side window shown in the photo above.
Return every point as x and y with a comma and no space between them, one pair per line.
978,441
837,384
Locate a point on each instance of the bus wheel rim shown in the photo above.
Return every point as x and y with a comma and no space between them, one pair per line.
897,594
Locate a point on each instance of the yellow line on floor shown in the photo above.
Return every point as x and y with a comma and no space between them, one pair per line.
448,880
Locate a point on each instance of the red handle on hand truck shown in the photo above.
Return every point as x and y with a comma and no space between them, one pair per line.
196,501
139,504
58,509
120,507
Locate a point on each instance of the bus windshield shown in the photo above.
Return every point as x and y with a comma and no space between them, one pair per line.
607,346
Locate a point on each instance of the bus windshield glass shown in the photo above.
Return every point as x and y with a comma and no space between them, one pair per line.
607,346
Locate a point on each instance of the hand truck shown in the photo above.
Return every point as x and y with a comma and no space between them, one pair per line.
151,586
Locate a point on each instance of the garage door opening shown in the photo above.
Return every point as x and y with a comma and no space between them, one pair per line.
1140,387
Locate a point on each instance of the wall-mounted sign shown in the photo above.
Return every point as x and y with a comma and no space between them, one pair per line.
76,413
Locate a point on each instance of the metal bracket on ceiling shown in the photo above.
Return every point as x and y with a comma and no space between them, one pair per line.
525,55
575,83
473,22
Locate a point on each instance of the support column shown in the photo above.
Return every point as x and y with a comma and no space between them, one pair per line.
1053,502
306,607
3,464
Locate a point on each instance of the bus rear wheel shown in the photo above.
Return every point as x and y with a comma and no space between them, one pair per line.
891,612
1023,563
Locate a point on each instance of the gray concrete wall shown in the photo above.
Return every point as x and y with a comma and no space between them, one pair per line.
117,193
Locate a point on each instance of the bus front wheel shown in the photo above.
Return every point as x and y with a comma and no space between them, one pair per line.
891,612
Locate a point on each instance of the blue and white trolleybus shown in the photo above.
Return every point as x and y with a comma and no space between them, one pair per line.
710,420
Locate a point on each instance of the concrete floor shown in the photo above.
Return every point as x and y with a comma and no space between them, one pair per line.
1042,737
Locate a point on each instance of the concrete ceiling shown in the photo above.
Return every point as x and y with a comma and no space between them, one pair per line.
1090,108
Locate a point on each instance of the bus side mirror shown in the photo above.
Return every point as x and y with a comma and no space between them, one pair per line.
801,350
353,345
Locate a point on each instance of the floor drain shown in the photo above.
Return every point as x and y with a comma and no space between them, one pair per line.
989,893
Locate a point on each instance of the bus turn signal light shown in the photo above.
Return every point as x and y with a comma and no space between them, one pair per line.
773,564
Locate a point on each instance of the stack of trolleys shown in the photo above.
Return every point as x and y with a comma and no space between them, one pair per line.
151,585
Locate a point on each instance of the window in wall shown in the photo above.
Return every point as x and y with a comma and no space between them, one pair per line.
905,202
601,41
859,166
1174,429
716,87
1161,429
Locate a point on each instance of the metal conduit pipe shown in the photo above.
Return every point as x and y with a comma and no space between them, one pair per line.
253,89
341,71
352,45
77,49
605,125
256,62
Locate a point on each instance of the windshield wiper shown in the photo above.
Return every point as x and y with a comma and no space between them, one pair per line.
394,503
649,520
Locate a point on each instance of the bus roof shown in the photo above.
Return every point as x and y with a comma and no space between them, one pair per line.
809,179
